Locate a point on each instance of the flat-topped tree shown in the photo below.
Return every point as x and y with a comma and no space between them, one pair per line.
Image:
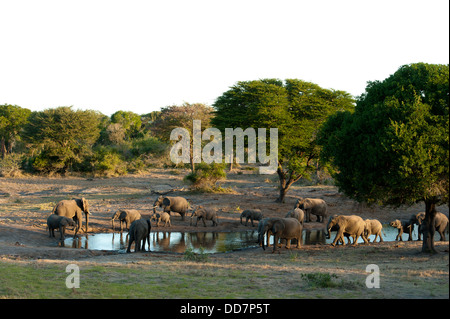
394,149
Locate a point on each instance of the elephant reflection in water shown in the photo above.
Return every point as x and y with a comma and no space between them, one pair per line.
166,243
314,237
122,243
204,240
78,243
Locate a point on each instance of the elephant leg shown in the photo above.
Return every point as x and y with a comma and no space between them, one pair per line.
61,232
204,222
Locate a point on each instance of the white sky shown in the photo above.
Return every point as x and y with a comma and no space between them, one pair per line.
143,55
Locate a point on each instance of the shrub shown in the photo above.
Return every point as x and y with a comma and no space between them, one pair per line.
206,177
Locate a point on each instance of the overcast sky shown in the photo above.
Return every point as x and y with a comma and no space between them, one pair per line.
143,55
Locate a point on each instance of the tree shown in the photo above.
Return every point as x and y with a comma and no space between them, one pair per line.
130,122
182,116
61,136
297,108
394,149
12,120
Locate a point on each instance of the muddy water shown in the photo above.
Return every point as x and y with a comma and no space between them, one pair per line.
208,242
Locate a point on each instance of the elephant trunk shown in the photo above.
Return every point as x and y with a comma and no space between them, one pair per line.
113,227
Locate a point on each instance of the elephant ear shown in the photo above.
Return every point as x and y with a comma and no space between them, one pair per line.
166,201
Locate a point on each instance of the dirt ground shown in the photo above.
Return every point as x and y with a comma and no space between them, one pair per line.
26,202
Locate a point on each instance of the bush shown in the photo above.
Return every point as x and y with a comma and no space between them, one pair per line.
106,161
10,166
206,177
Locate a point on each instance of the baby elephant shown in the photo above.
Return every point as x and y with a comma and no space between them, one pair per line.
296,213
163,217
373,227
204,214
60,222
252,214
126,216
402,226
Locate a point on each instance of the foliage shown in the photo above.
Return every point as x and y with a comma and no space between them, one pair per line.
191,256
174,116
297,108
394,149
10,165
206,176
129,122
61,136
12,119
107,161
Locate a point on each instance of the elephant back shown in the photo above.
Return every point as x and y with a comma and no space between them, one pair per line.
176,204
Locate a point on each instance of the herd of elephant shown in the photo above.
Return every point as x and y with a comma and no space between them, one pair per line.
287,229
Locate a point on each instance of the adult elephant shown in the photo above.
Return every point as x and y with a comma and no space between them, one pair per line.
73,208
261,230
172,204
352,225
283,228
315,206
441,224
139,233
126,216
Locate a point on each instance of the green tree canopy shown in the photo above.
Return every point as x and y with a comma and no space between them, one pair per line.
394,149
61,136
129,121
297,108
12,120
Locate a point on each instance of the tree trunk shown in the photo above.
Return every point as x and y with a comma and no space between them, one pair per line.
285,184
428,227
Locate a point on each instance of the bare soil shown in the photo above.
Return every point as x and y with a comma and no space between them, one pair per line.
26,202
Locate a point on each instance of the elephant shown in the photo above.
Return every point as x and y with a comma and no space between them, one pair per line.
373,227
252,214
60,222
73,208
441,224
163,217
139,233
330,228
126,216
351,224
262,232
315,206
282,228
298,214
416,219
172,204
204,214
402,226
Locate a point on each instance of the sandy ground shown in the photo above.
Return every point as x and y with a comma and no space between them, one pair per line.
25,203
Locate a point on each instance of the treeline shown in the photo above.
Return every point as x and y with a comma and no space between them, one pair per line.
63,140
396,132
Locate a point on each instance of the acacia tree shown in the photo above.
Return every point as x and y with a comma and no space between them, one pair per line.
297,108
394,149
175,116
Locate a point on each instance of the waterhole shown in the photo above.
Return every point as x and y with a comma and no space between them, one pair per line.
207,242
